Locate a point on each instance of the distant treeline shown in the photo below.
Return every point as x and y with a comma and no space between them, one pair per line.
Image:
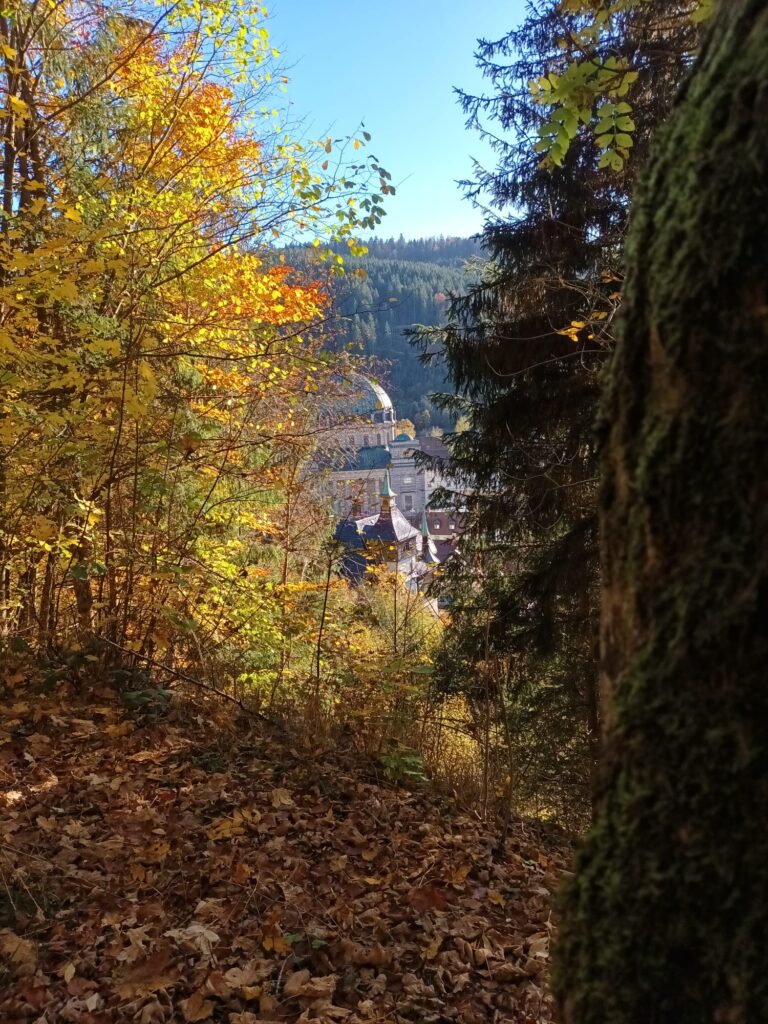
446,251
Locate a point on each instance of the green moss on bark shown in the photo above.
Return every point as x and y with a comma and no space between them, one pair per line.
666,919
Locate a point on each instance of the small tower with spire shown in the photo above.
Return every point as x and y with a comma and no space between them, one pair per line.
386,538
387,495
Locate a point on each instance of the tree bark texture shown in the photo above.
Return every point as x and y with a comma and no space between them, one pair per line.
666,919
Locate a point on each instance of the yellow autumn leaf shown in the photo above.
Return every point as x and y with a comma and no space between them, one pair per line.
157,852
43,529
19,107
66,289
276,944
233,825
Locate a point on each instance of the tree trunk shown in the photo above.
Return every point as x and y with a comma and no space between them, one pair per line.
666,920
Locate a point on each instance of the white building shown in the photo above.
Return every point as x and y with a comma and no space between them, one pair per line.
361,446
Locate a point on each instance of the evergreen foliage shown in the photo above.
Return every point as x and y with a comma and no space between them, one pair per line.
523,350
399,283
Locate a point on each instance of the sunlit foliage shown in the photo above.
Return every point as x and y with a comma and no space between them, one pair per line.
157,358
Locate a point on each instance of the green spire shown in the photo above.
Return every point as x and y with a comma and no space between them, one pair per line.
386,487
424,525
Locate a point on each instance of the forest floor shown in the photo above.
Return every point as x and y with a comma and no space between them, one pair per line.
195,869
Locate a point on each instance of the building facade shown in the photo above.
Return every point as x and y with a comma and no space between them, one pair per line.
362,446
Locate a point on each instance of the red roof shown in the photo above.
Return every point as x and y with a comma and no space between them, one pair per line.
441,522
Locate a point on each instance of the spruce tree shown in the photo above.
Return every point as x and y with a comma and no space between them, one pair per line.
523,351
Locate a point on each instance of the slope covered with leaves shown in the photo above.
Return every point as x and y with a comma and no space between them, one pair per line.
200,867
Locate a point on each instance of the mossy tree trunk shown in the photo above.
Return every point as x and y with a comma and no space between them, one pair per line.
666,920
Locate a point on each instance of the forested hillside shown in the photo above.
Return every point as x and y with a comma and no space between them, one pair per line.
403,283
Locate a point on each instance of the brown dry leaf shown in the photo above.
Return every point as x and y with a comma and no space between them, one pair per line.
533,967
458,875
433,948
350,952
267,1004
295,983
38,739
196,1008
538,945
428,897
122,729
216,985
282,798
239,977
95,1001
155,756
242,872
507,972
319,988
152,1013
195,936
21,953
137,945
151,975
494,896
224,828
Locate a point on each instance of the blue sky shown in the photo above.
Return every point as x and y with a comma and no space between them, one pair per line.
394,67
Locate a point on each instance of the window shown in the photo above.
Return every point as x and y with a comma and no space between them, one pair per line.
366,441
407,479
408,502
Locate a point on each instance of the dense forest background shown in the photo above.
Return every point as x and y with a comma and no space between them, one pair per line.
398,284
